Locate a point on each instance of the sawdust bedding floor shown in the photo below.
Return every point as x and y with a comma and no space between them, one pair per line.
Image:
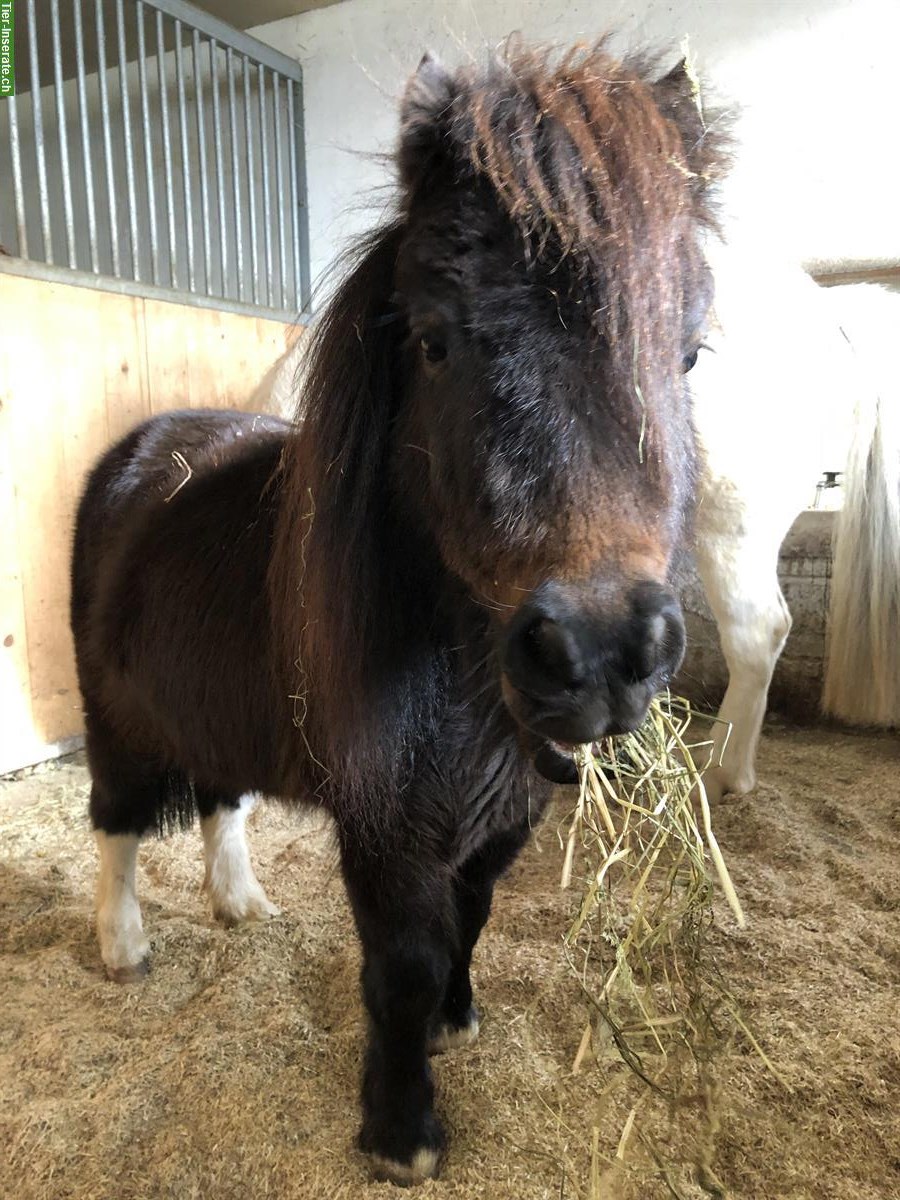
232,1070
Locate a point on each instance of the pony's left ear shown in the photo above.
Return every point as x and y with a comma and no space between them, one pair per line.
424,116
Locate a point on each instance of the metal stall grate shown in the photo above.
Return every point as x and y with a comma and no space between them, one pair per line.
153,145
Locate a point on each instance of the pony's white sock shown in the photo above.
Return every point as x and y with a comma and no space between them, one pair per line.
233,888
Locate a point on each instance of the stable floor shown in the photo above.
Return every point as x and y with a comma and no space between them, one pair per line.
231,1072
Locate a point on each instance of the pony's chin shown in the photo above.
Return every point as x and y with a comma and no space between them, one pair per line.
555,763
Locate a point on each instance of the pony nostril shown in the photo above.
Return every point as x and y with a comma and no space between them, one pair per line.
651,649
659,646
552,648
658,629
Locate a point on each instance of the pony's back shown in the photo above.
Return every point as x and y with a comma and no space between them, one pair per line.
169,606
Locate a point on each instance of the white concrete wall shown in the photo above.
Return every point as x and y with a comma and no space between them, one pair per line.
815,79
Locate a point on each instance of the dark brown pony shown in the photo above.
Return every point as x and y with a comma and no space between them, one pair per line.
457,560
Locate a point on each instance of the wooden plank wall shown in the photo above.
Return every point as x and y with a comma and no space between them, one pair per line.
78,368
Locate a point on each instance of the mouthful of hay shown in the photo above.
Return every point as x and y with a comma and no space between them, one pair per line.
640,839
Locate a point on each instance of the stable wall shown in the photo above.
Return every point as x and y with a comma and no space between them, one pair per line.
78,369
37,250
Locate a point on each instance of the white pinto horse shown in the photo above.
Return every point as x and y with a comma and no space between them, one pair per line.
792,371
795,367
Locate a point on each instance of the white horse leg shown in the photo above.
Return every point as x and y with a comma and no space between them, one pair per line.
123,945
235,892
740,577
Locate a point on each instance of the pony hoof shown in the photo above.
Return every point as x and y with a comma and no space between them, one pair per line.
402,1154
449,1036
130,973
422,1165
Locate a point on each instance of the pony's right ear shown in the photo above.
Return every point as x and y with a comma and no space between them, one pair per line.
704,133
424,117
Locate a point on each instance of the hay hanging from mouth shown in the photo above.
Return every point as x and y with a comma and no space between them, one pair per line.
641,839
649,778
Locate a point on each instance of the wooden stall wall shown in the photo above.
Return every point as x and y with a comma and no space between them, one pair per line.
78,368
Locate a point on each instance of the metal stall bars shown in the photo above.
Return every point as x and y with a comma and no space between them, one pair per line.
154,148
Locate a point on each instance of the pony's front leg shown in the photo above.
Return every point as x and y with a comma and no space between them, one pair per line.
404,913
456,1022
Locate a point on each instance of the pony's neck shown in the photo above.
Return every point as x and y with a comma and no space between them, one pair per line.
365,612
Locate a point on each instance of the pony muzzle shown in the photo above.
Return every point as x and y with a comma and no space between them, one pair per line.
574,670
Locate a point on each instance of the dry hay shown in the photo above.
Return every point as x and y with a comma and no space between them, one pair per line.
661,1013
232,1071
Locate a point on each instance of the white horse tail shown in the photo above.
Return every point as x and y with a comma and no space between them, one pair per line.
862,676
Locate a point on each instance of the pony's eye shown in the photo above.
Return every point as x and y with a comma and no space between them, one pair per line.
690,360
434,350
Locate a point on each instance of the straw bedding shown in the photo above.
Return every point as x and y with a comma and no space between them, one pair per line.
232,1071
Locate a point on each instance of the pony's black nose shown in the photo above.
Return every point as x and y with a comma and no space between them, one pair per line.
576,668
